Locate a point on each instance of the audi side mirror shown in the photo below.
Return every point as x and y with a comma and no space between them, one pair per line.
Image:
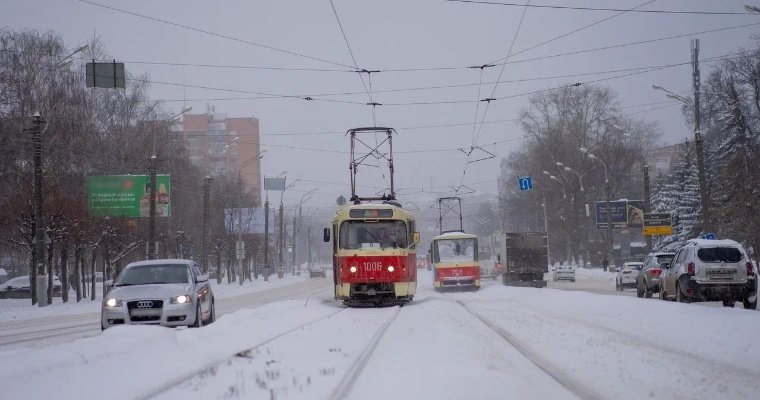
202,278
109,283
326,235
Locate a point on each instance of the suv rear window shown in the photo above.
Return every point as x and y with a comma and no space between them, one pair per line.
665,259
720,254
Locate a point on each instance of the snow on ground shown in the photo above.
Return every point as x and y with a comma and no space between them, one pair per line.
499,342
22,309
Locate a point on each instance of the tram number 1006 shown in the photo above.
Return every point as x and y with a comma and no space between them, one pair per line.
373,266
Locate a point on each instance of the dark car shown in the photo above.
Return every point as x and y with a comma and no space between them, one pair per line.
317,271
648,281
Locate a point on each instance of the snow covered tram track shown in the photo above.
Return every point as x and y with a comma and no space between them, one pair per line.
349,379
49,332
572,385
207,369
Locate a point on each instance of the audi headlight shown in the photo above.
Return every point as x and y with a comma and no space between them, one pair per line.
181,299
113,302
352,269
391,269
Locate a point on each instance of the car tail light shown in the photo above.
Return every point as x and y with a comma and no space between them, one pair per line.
655,272
690,269
750,270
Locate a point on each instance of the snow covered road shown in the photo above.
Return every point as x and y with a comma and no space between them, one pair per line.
500,342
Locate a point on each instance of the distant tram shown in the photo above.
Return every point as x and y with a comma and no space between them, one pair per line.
455,261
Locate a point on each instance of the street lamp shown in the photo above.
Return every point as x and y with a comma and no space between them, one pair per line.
607,195
239,248
752,9
282,226
698,142
305,197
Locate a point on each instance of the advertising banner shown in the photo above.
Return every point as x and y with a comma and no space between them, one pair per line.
624,214
274,183
127,195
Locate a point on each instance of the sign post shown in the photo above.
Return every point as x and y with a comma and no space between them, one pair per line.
525,182
656,224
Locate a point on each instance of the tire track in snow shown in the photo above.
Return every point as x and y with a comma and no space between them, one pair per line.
242,353
573,386
347,383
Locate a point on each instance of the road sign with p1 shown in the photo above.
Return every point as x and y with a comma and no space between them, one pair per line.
525,183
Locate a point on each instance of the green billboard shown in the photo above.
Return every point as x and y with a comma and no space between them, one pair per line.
127,195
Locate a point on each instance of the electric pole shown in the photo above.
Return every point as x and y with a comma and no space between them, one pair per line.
706,225
204,235
152,251
308,251
646,201
295,237
281,241
266,239
39,226
240,245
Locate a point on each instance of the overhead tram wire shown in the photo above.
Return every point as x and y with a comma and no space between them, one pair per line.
219,35
485,112
574,31
576,8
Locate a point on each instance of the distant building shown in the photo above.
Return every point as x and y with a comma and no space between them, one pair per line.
661,160
220,145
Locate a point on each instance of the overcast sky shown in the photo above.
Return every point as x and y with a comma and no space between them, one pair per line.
384,35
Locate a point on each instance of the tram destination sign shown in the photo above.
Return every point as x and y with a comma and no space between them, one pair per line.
657,224
371,213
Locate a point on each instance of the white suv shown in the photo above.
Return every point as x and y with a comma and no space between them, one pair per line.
710,270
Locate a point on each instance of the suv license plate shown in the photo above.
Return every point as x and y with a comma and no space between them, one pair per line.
722,274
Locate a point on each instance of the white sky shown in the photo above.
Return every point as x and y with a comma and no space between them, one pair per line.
385,35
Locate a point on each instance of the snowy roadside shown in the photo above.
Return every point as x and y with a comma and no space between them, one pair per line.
22,309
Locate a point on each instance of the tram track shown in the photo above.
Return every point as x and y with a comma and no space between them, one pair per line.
207,368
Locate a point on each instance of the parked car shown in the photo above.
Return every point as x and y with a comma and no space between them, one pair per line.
648,280
317,271
18,287
710,270
563,273
159,292
626,277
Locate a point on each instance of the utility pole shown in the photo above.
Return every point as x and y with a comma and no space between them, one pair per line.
308,251
39,225
152,251
607,195
546,230
646,201
295,238
266,238
281,240
204,235
706,224
240,245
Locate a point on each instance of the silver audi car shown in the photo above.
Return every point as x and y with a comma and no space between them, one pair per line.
159,292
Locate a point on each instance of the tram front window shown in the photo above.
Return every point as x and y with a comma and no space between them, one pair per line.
369,235
455,250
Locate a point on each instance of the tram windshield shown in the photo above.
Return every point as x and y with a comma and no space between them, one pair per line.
456,250
356,234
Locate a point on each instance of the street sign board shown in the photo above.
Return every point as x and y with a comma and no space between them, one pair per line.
656,224
274,183
708,236
525,182
623,214
127,195
108,75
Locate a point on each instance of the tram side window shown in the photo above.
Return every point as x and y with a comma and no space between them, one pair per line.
381,234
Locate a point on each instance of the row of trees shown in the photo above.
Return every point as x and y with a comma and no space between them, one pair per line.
559,125
559,122
91,132
730,119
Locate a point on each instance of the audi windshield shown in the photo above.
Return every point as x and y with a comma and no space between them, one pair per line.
154,274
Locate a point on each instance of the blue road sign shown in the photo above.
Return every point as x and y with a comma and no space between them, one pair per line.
525,183
708,236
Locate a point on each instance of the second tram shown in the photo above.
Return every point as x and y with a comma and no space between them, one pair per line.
455,261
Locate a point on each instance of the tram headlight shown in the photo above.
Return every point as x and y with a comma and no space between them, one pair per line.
353,269
391,268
